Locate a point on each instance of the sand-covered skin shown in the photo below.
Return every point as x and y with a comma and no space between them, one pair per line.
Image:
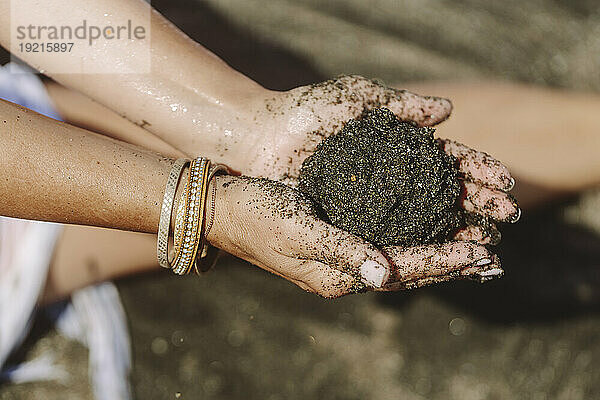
385,180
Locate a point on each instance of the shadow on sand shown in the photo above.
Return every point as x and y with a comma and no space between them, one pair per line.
552,272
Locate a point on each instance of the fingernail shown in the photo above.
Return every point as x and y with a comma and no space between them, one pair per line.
511,185
515,217
492,272
476,274
482,262
475,267
373,273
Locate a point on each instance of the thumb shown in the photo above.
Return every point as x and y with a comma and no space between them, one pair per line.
346,252
423,110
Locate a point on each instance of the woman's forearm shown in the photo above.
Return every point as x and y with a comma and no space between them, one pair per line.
53,171
79,110
181,87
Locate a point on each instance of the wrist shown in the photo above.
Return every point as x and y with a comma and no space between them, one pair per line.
227,88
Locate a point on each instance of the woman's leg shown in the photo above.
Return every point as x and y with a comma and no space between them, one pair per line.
84,256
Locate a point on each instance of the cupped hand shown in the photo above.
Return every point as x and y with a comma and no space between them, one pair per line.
291,124
275,227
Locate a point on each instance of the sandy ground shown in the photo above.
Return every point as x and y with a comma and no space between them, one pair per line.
240,333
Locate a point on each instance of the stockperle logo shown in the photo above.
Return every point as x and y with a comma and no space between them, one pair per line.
89,40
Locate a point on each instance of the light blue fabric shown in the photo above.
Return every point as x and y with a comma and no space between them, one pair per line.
19,85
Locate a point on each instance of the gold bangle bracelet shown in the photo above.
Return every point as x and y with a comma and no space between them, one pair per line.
166,211
208,256
191,229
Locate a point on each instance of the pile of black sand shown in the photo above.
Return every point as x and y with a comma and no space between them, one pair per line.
386,181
